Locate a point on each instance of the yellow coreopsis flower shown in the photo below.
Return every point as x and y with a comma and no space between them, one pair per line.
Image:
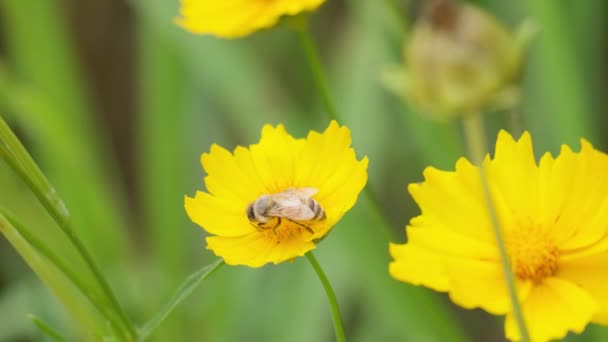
554,216
273,201
238,18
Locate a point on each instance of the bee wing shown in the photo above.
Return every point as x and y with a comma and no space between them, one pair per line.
292,194
303,192
298,211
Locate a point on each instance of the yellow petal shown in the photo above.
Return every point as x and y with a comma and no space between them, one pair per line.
481,284
418,266
441,240
513,172
333,169
553,308
226,178
237,18
578,184
275,158
217,216
258,248
590,273
455,200
228,18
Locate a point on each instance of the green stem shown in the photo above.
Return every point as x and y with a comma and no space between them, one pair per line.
312,54
310,48
22,163
477,146
331,296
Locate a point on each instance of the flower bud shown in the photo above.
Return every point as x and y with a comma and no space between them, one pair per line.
460,60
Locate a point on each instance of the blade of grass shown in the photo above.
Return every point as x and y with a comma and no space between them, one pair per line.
181,294
88,321
46,329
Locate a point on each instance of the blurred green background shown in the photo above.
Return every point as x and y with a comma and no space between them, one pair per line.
116,104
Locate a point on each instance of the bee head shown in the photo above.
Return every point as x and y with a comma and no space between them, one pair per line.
250,213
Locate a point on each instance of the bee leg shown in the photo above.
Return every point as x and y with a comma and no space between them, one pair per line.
274,229
302,225
309,230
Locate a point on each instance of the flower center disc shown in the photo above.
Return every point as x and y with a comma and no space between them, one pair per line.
534,255
285,231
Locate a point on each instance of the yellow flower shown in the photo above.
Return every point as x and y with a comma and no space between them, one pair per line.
257,206
554,216
238,18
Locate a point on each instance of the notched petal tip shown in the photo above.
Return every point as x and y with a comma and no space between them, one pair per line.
214,152
413,188
429,171
364,162
463,164
565,150
395,249
503,134
586,145
189,204
269,129
334,124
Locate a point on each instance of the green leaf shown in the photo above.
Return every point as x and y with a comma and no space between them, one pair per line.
90,293
46,329
88,319
183,292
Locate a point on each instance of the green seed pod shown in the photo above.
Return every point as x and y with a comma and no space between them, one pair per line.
460,60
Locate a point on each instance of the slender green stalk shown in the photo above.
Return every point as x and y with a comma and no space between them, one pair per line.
477,146
331,296
49,331
22,163
87,320
310,48
312,54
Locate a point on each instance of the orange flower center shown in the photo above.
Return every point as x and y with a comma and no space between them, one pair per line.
285,230
534,255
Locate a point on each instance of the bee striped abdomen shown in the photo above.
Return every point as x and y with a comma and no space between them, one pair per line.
317,209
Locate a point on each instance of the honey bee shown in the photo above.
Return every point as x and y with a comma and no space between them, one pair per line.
294,205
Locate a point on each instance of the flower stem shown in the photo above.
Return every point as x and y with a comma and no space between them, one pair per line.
13,152
476,144
310,48
331,296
